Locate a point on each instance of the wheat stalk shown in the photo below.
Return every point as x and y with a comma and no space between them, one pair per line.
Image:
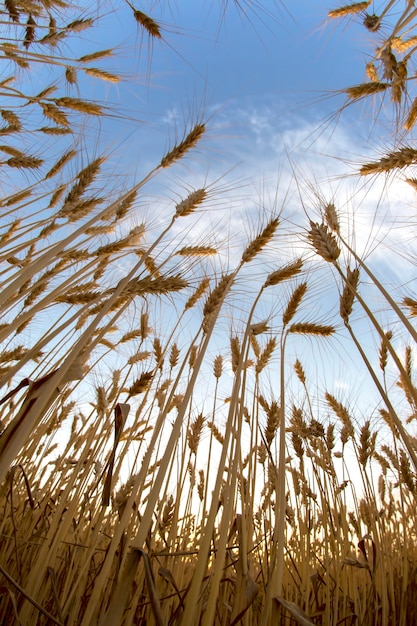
411,116
198,293
148,23
293,303
179,150
260,241
81,106
95,56
349,9
365,89
399,159
220,527
348,295
307,328
102,74
285,273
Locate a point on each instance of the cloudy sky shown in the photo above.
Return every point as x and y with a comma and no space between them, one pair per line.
268,79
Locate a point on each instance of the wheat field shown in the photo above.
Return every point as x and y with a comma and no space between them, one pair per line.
167,456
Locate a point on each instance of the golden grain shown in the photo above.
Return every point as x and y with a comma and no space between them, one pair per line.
56,196
272,422
218,366
365,89
132,334
55,130
158,353
145,329
35,292
402,45
411,304
366,446
123,207
266,355
398,159
255,346
330,438
18,197
53,37
343,414
216,432
215,298
158,285
297,444
197,251
79,25
411,116
372,22
405,382
174,355
235,351
149,24
67,156
193,356
390,454
324,242
184,146
102,401
81,106
44,93
201,485
371,72
13,121
20,62
201,289
349,9
293,303
383,350
116,375
285,273
29,32
406,475
300,372
81,209
99,230
141,384
260,241
307,328
76,298
71,75
349,292
259,328
399,83
25,162
12,9
102,74
53,113
5,237
194,433
389,62
412,182
13,355
13,151
331,217
100,54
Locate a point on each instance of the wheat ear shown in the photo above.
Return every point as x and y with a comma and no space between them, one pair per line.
184,146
